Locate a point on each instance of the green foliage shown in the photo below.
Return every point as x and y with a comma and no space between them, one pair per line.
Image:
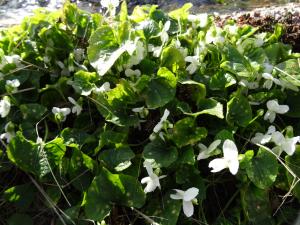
102,117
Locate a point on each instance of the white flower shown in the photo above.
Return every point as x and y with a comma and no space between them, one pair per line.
104,88
232,29
155,49
61,113
263,138
111,5
130,73
247,84
153,180
273,108
76,108
268,68
230,159
270,80
194,60
164,36
259,39
187,197
14,59
214,36
159,126
79,54
205,152
284,144
9,132
137,52
12,85
201,19
4,107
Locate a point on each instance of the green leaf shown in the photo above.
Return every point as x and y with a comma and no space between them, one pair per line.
224,134
84,81
108,188
164,211
221,80
293,163
163,154
262,169
161,89
18,218
277,52
172,58
187,156
208,106
74,137
113,104
110,138
103,50
256,205
293,102
185,132
289,71
150,28
30,157
181,13
55,151
118,158
21,195
239,111
123,12
195,90
33,112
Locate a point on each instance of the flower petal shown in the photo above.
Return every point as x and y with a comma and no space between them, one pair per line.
233,166
217,165
176,196
188,208
272,104
190,194
214,145
278,138
148,166
230,150
281,109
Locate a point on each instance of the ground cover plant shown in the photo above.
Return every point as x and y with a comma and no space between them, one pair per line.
147,118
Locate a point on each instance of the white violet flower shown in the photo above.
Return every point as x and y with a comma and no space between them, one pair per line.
284,143
76,108
104,88
155,49
206,151
188,197
230,159
164,36
270,80
4,107
130,73
12,85
138,54
248,84
273,108
201,19
260,138
9,132
111,5
61,113
194,60
152,180
159,126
